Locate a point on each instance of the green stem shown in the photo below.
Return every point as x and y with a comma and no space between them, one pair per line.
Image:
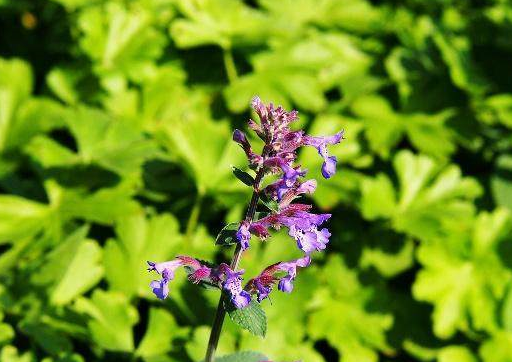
221,312
229,65
194,216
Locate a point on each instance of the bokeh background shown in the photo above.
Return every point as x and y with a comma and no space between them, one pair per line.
115,144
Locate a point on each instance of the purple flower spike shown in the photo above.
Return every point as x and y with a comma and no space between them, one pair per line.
243,235
286,283
320,143
233,284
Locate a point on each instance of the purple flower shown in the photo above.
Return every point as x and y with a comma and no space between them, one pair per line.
166,270
198,273
302,226
240,138
263,283
160,288
290,174
233,284
310,239
286,283
243,235
320,143
285,195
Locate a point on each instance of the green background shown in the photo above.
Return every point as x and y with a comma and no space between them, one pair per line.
115,145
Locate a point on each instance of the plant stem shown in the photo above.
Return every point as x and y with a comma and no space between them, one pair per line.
194,215
229,65
221,312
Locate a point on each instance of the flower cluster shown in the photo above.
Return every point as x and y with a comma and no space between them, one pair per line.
278,157
222,277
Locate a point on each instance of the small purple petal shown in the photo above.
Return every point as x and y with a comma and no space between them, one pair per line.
160,288
329,167
286,285
243,235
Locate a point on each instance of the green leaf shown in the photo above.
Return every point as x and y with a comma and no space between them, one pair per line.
116,144
139,239
242,357
456,354
206,151
10,353
384,127
121,41
46,337
20,217
243,176
15,87
111,320
251,318
6,333
464,277
198,342
72,268
227,236
162,329
357,333
498,348
501,181
431,201
226,23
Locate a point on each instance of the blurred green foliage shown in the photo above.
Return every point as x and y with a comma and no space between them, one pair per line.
115,148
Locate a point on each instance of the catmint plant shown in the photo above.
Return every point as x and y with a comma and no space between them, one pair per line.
278,157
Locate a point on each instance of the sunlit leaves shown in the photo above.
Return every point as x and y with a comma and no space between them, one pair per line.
464,276
139,239
356,332
121,41
222,22
430,201
111,319
71,268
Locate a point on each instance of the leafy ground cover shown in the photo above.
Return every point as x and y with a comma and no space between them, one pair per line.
115,148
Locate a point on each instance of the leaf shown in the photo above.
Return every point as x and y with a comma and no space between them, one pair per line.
464,277
206,151
226,23
299,72
456,354
242,357
162,329
6,333
384,127
15,87
243,176
227,236
501,181
122,42
498,348
111,319
251,318
10,353
116,144
20,217
196,345
46,337
357,333
431,201
72,268
139,239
